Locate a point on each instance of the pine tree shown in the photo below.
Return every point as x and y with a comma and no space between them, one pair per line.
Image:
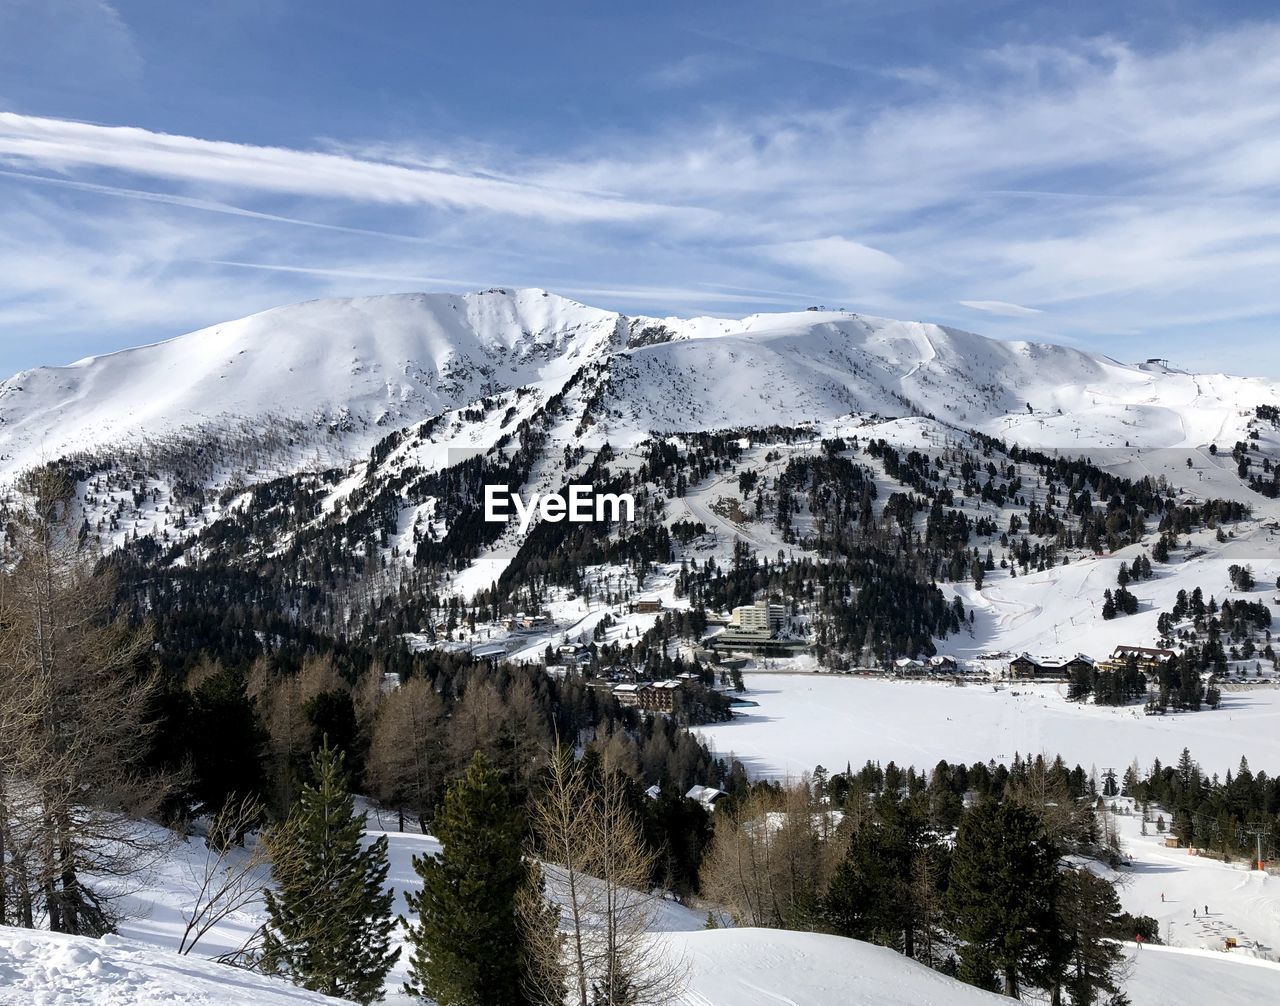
1089,919
1001,897
329,918
466,945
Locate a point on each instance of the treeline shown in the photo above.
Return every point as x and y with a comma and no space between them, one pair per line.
964,869
1228,817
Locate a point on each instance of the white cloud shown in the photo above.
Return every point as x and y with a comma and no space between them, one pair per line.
1001,307
848,263
63,145
1120,191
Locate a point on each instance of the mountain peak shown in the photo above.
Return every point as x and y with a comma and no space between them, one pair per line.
387,361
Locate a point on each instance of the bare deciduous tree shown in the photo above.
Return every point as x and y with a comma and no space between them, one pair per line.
771,855
598,869
77,683
406,755
231,878
477,723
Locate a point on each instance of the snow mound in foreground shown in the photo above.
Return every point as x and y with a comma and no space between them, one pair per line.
768,967
44,969
761,967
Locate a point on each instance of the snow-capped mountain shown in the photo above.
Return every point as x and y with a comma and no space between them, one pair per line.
327,435
349,370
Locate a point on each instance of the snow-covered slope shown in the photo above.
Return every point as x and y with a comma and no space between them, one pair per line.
755,967
359,367
768,967
354,364
50,969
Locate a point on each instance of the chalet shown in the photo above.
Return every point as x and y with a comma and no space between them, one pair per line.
1148,658
943,665
1026,666
1023,666
907,665
646,604
523,622
708,796
573,653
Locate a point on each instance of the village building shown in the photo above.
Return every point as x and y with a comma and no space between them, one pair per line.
1148,658
661,696
646,604
760,617
524,622
1023,666
907,665
651,696
708,796
755,628
628,694
1026,667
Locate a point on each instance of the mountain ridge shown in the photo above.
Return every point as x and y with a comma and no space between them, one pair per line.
362,365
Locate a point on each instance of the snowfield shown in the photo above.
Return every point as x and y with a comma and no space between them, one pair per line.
758,967
50,969
804,720
745,967
358,368
763,967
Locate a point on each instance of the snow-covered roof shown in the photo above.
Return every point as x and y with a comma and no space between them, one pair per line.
705,794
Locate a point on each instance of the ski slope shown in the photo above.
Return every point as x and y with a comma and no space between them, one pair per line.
1175,886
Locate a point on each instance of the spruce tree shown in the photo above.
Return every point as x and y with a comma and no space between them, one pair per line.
329,917
1001,898
466,948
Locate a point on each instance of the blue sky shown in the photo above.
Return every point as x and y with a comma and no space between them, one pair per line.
1104,175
